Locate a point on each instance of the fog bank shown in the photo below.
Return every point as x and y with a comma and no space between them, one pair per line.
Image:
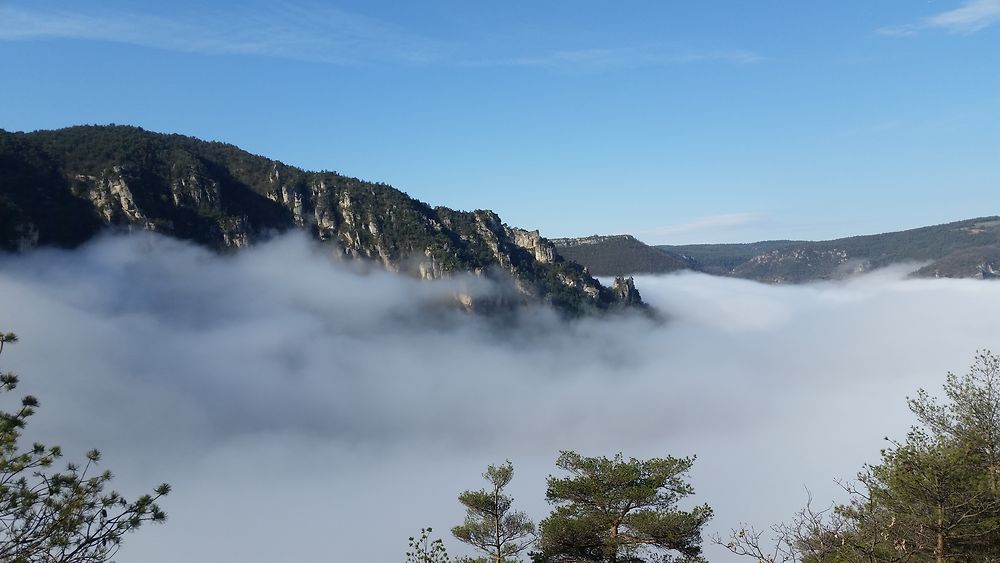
305,411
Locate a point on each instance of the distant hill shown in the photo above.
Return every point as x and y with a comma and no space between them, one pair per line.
963,249
63,187
615,255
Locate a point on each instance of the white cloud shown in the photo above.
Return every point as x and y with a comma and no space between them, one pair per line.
287,398
970,17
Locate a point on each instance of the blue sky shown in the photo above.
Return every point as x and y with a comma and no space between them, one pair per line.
677,121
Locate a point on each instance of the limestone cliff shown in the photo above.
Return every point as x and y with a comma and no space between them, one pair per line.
63,187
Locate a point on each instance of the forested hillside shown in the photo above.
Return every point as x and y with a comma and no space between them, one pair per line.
609,255
963,249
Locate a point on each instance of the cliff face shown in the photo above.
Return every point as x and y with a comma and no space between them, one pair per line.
63,187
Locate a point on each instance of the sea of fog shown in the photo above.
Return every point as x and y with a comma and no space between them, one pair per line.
305,411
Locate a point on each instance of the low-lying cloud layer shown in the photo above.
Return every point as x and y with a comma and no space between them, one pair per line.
307,412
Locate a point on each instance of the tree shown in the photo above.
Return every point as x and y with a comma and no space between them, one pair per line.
59,516
617,511
424,550
490,524
971,414
932,497
812,536
935,498
926,501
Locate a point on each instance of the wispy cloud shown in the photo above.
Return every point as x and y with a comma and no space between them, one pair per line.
970,17
312,33
710,223
602,58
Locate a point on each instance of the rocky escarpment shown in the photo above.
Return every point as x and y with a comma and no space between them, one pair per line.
796,265
63,187
592,240
981,262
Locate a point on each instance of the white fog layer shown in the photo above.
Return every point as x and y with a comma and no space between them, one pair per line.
303,411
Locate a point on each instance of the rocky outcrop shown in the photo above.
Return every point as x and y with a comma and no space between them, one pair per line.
543,250
591,240
112,197
625,291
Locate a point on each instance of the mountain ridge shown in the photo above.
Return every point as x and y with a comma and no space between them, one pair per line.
968,248
62,187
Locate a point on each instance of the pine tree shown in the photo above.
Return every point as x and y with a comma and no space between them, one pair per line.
617,510
59,516
491,526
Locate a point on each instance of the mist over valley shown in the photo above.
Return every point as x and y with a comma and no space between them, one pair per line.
286,396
